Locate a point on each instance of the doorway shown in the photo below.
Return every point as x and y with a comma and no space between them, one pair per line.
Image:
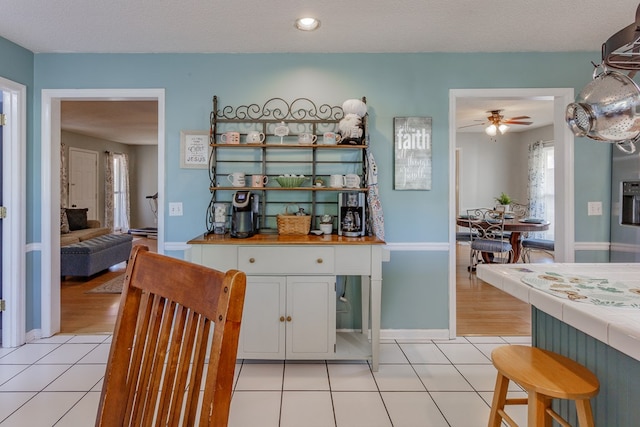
564,185
51,103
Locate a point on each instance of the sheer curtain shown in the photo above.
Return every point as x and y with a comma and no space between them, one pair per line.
116,205
536,175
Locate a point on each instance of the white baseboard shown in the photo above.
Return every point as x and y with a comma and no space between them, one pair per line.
408,334
32,335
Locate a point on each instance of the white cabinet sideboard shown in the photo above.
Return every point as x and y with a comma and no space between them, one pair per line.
290,304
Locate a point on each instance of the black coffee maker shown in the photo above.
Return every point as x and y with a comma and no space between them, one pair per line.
244,214
351,209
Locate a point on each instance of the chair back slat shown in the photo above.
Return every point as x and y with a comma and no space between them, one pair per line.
174,317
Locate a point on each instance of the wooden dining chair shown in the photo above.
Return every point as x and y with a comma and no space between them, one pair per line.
175,319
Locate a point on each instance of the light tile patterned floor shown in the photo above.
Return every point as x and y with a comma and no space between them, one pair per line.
57,382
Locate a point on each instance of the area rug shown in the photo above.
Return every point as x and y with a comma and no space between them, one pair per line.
113,286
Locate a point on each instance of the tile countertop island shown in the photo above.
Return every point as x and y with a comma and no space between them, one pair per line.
601,333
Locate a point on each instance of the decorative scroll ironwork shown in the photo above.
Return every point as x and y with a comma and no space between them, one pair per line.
277,109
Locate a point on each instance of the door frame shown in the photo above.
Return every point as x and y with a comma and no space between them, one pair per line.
14,135
50,214
564,174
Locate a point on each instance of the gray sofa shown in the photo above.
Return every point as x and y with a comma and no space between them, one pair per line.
94,230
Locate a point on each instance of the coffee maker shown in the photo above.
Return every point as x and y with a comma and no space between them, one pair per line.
244,214
351,214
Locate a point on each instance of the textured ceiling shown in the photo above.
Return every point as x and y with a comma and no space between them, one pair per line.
258,26
354,26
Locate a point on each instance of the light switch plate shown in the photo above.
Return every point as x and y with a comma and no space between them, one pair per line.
594,208
175,209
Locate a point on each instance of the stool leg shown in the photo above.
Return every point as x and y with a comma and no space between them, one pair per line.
585,416
537,410
499,398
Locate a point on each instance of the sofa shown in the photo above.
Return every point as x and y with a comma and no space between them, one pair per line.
86,248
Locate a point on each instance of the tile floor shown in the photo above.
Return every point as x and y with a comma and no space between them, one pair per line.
57,382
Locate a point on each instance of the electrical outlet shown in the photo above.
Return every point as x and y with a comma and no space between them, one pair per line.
175,209
594,208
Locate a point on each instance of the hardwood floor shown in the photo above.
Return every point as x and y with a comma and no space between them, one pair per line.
92,313
481,308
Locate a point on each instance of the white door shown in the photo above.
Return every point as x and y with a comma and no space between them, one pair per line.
83,180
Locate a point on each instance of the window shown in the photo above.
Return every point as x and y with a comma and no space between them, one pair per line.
120,193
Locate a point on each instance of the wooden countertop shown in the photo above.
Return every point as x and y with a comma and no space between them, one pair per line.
284,239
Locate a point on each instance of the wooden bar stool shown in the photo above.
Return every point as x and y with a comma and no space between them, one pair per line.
544,376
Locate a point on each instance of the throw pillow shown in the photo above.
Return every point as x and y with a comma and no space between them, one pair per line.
77,218
64,222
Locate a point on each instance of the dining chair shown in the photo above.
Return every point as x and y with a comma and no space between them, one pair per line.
173,351
489,226
531,245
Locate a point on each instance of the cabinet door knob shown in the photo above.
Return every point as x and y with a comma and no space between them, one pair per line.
319,260
252,260
282,318
288,318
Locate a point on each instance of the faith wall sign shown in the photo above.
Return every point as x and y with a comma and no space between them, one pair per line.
412,153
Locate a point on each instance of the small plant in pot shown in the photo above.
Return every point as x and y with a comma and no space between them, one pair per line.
504,202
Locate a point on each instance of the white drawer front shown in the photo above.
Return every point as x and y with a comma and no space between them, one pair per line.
285,260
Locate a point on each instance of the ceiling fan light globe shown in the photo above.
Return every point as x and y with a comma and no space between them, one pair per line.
503,128
491,130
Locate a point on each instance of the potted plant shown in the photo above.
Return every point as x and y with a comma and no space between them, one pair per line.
504,201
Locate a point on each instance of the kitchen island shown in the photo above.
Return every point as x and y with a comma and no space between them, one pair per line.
290,306
590,313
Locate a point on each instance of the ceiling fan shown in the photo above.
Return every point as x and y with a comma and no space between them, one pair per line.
496,122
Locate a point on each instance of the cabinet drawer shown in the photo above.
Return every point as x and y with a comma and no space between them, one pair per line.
285,260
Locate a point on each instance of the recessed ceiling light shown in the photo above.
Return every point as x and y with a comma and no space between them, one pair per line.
307,24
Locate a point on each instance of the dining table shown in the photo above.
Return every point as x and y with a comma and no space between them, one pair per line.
515,226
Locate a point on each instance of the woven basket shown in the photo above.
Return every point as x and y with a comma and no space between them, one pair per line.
293,224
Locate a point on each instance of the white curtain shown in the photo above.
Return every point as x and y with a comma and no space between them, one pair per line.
116,206
536,175
123,204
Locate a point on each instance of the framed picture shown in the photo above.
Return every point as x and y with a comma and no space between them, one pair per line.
412,153
194,149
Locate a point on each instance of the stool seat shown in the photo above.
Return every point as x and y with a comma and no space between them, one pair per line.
544,375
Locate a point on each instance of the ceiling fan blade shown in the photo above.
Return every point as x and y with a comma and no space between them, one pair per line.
512,122
519,118
468,126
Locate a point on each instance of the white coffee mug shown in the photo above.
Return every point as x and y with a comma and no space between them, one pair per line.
259,180
230,138
352,180
236,179
307,138
255,137
331,138
337,181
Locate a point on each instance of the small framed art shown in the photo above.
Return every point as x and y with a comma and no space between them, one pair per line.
194,149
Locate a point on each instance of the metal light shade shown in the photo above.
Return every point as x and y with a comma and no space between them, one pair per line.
608,110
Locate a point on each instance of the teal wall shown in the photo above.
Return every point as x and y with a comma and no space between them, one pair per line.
415,284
